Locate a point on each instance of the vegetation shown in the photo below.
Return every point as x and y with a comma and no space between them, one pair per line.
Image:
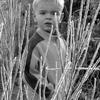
81,77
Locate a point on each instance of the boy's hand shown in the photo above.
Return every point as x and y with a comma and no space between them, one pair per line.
50,86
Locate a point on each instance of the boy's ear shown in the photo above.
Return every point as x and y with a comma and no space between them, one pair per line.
61,18
34,17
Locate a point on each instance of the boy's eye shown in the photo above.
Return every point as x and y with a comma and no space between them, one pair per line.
42,12
53,13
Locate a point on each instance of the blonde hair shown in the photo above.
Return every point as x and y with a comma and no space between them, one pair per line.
60,2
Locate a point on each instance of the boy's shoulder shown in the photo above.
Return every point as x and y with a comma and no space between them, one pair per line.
34,40
63,42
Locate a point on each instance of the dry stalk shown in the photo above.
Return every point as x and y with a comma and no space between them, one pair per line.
62,79
48,46
57,29
25,52
18,94
71,56
2,80
95,16
45,59
69,22
59,48
94,89
35,89
84,44
1,28
5,82
2,16
60,55
41,69
14,62
56,75
13,30
28,23
94,56
19,31
23,29
78,94
80,19
21,59
68,57
26,91
88,72
8,84
86,14
11,49
83,68
4,21
85,48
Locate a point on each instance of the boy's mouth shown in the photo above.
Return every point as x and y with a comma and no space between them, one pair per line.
48,24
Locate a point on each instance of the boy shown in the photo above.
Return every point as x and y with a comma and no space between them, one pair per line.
44,15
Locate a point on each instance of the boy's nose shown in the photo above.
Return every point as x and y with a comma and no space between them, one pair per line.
48,16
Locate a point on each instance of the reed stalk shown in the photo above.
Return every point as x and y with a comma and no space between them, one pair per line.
86,14
94,89
44,61
41,77
88,72
59,85
78,94
80,19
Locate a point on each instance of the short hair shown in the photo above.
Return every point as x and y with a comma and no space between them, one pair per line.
60,2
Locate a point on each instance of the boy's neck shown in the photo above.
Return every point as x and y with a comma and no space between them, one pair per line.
45,34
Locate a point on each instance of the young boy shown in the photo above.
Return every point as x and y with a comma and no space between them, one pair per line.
44,15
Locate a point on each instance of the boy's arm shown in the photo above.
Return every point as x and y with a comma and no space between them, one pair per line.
35,70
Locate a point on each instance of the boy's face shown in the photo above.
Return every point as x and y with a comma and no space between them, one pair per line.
45,15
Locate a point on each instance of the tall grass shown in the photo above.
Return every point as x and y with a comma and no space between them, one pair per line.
77,44
13,65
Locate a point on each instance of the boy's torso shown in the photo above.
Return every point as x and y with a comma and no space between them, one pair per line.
55,56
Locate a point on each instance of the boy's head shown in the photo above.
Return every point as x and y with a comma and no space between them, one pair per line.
44,13
60,3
